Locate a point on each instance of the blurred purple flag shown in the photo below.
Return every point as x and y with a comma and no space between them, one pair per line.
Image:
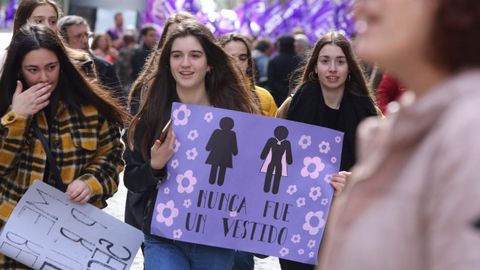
259,18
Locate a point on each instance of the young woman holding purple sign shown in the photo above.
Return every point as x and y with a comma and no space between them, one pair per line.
415,195
192,69
332,93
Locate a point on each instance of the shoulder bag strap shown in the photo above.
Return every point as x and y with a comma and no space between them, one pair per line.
50,159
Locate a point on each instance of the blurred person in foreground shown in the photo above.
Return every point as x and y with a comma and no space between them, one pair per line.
414,196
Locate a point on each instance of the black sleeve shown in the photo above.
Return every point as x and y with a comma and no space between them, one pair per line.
139,175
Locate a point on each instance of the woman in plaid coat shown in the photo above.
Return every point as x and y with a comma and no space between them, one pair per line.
41,88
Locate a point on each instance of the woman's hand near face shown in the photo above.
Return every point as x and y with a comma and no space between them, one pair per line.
339,180
32,100
79,191
161,152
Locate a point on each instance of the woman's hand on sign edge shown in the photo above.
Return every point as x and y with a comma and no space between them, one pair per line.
79,191
339,180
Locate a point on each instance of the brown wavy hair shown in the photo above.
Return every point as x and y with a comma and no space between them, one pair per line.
223,83
455,37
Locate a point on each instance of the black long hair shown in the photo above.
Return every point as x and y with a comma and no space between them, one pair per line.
72,89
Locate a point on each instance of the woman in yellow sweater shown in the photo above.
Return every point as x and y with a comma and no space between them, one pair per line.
239,48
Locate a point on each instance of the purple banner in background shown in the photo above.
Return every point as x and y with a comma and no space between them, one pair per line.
258,18
233,184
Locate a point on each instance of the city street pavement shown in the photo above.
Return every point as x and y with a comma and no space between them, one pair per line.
116,206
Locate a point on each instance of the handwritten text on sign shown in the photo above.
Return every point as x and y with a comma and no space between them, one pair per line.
47,231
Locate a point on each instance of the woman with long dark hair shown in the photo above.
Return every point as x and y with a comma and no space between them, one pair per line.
192,69
48,107
332,93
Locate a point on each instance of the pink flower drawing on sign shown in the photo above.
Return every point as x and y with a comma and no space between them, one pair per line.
180,115
300,202
324,201
166,213
177,234
291,189
305,141
186,182
208,117
192,154
312,167
296,238
324,147
174,163
187,203
315,193
314,221
192,135
284,252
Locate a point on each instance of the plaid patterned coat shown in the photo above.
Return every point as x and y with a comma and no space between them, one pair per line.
84,146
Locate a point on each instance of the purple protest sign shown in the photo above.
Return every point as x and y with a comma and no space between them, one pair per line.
247,182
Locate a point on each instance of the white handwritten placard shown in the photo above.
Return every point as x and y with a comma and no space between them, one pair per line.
48,231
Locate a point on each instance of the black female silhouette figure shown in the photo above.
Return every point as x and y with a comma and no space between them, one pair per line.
277,153
222,146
